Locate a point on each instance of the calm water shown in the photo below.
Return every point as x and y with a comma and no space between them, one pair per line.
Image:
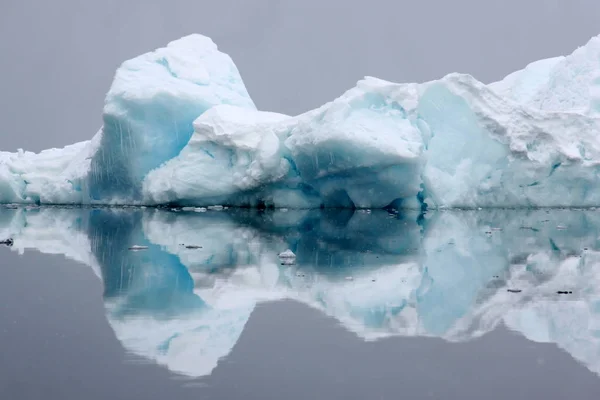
449,305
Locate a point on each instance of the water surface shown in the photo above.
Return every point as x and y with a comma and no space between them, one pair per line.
461,304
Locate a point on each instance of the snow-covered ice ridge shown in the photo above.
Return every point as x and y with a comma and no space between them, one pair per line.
180,128
184,300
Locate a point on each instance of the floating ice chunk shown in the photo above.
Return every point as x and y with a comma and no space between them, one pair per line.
138,248
287,257
287,254
180,129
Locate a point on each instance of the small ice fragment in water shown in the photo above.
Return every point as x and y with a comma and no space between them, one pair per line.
287,257
137,248
561,227
287,254
200,209
215,208
187,209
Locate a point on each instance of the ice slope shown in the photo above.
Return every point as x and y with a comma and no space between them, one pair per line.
522,86
180,128
556,84
568,85
185,300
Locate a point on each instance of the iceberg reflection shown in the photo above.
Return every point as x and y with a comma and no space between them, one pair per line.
183,299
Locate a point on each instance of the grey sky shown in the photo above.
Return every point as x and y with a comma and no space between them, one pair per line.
58,57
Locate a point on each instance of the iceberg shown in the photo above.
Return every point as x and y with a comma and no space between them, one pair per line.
179,128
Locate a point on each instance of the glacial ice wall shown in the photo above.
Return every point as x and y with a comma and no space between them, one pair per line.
180,129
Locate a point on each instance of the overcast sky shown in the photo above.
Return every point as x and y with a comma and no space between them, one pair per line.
57,58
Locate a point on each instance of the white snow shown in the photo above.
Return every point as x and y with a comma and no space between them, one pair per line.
568,86
522,86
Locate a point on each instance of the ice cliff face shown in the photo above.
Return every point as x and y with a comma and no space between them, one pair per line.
150,108
180,128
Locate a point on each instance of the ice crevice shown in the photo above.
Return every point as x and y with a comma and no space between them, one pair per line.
179,127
